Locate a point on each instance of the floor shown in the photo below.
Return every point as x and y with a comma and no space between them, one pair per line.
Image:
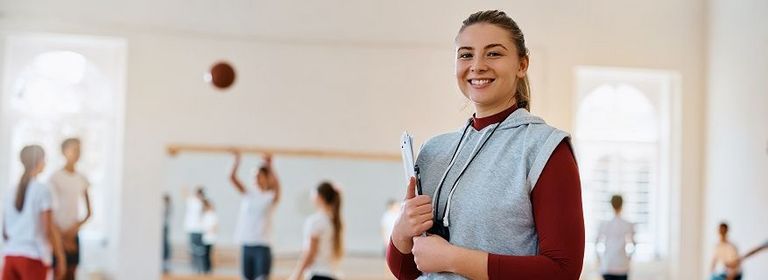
227,268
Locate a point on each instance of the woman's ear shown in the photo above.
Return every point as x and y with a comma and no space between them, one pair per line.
523,67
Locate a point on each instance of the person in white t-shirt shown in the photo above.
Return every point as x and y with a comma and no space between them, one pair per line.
323,237
29,232
614,234
210,223
68,187
193,225
726,263
254,224
388,220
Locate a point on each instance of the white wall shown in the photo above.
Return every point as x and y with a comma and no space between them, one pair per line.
286,96
737,111
345,67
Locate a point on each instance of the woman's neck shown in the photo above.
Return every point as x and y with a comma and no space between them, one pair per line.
490,110
480,123
325,209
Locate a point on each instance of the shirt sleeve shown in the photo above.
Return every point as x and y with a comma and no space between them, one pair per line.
211,221
53,192
313,227
44,201
402,266
86,183
601,230
559,219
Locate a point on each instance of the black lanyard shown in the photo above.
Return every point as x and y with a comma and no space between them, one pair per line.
466,166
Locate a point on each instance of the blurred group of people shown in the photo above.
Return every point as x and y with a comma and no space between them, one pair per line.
615,256
42,219
323,230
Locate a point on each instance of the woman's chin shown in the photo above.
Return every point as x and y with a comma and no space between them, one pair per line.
482,100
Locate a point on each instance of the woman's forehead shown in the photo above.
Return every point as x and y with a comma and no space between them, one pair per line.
481,35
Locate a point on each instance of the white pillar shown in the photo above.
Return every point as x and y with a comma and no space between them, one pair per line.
737,129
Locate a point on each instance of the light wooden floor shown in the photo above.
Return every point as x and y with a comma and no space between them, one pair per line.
362,268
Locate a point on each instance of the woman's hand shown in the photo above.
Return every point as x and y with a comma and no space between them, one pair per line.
294,277
69,244
61,266
432,253
415,219
267,158
236,153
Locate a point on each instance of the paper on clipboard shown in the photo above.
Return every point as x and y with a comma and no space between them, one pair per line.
406,148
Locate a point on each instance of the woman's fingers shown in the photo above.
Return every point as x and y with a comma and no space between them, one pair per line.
421,210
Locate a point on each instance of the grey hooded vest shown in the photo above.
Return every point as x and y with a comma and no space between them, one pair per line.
490,207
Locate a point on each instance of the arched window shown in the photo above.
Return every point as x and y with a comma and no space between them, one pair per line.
56,87
621,139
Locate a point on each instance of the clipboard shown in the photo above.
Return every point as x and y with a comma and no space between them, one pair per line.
411,169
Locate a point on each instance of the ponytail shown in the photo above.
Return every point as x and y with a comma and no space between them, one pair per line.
31,157
21,190
523,93
338,247
332,197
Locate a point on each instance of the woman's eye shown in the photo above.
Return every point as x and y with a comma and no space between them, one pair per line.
465,55
494,54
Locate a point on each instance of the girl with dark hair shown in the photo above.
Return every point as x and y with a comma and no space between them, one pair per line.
323,237
28,228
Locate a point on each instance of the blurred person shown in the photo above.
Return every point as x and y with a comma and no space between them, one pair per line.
210,225
323,237
726,264
29,232
388,220
254,223
193,219
614,234
68,187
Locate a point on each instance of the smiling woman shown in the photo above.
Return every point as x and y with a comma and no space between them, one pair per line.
492,72
485,185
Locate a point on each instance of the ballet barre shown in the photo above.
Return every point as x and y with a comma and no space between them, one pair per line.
175,149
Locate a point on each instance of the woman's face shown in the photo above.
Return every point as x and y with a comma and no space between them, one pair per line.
488,66
314,197
40,165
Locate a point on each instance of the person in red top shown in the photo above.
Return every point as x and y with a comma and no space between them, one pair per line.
491,66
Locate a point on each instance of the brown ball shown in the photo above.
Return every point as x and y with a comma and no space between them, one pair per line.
222,75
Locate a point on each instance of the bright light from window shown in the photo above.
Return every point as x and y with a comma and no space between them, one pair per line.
60,67
617,113
52,84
